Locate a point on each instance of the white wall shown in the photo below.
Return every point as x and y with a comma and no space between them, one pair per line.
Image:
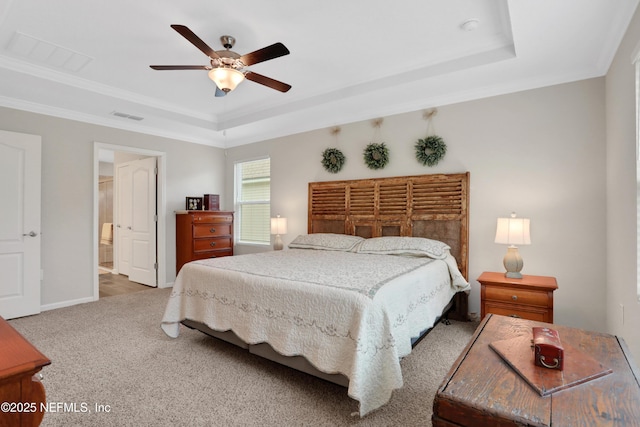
68,239
540,153
621,193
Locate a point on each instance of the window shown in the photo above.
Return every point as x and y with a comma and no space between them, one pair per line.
253,195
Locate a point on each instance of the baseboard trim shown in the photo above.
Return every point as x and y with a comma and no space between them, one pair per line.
63,304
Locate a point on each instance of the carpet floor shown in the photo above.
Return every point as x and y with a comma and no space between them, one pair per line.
112,365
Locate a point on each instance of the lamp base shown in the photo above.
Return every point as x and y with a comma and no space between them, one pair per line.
513,275
513,263
277,244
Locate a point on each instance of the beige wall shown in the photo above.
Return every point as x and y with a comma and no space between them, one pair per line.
68,238
623,308
540,153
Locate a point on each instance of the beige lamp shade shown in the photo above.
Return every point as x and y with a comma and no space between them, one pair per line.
278,225
513,231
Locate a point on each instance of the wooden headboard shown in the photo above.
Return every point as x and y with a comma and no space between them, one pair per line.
432,206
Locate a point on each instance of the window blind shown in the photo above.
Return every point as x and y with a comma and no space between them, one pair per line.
253,194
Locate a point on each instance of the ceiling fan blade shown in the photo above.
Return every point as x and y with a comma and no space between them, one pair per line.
267,81
195,40
180,67
276,50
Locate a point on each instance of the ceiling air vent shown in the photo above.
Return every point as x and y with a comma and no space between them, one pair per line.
47,53
126,116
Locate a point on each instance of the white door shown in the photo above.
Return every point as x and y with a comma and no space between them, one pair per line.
20,241
142,266
122,227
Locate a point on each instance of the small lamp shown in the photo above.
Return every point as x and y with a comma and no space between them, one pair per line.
278,227
513,231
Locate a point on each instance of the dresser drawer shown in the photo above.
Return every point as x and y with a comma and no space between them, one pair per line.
218,243
516,296
211,254
211,230
205,218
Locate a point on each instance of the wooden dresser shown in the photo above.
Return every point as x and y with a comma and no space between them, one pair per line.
482,390
21,392
203,234
529,298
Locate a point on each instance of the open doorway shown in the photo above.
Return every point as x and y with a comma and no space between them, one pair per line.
105,212
109,161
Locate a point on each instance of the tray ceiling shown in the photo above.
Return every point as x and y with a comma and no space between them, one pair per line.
349,61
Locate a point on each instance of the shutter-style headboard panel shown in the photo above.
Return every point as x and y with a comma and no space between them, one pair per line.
432,206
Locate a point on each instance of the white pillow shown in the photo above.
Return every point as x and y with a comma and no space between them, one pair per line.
326,241
396,245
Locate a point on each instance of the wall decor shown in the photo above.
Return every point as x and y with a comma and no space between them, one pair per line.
430,150
376,154
194,203
333,160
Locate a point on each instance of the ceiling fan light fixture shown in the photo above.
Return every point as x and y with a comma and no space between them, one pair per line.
227,79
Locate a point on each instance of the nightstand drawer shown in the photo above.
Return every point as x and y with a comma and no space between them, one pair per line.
517,312
516,296
201,245
211,230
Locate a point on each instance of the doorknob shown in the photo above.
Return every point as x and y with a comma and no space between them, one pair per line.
31,234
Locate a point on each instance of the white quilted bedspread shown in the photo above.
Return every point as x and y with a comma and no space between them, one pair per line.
344,312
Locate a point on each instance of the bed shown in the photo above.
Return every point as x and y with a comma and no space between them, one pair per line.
382,261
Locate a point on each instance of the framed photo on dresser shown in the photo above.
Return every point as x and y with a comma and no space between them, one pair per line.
194,203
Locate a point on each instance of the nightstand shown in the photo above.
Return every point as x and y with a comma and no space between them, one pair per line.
529,298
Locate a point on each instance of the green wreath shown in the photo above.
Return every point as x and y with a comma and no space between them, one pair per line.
430,150
376,156
333,160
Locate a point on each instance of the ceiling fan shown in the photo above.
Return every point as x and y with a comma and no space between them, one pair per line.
227,69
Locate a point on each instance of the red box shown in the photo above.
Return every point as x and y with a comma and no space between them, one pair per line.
211,202
548,350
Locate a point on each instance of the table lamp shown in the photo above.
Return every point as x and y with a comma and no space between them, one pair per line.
278,227
513,231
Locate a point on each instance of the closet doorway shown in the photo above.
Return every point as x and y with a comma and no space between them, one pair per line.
117,248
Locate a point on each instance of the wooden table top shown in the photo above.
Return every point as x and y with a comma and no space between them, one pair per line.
17,355
481,389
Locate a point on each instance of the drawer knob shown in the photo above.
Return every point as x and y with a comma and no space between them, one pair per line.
212,230
514,297
212,244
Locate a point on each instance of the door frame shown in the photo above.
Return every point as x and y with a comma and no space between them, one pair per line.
161,209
